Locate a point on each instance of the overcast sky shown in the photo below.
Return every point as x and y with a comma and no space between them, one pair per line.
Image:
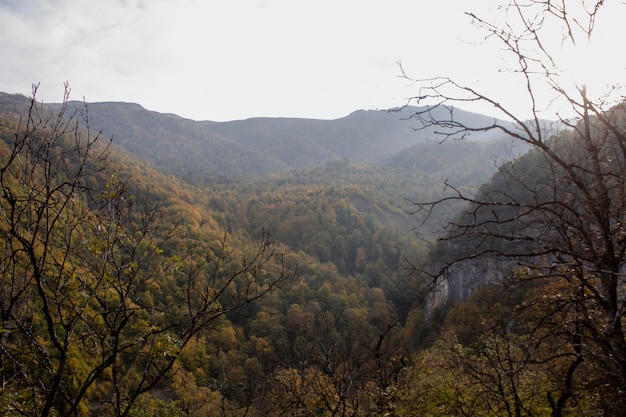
234,59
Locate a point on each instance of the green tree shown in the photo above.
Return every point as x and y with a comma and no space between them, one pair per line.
79,333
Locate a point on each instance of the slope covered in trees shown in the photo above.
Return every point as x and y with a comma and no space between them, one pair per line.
101,287
193,273
155,275
551,222
551,338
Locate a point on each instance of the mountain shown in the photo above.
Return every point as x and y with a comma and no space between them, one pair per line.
206,150
383,148
378,152
368,136
335,197
175,145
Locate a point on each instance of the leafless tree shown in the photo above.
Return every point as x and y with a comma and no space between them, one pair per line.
558,213
78,334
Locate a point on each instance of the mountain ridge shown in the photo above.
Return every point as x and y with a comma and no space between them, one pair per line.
261,145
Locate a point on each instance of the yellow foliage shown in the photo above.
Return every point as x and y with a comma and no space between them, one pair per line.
193,400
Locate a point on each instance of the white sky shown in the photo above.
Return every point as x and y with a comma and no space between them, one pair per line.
234,59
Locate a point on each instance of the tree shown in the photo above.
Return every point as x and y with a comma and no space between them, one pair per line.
351,371
80,332
558,213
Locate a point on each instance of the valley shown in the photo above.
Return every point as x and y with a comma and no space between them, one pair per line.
257,267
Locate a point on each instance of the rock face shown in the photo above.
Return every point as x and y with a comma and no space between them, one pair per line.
462,278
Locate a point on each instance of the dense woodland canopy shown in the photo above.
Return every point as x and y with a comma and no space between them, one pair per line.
234,292
333,326
203,269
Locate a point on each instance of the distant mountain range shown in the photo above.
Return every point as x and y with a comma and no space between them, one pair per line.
198,150
201,152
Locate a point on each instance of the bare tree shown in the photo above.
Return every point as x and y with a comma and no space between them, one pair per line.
77,253
558,213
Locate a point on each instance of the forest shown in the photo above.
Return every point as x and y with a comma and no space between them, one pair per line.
196,298
423,261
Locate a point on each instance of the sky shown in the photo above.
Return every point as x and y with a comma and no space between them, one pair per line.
235,59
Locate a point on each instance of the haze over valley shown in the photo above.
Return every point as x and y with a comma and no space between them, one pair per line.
262,246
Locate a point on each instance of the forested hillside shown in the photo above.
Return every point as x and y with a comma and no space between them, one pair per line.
131,288
549,227
419,262
241,282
